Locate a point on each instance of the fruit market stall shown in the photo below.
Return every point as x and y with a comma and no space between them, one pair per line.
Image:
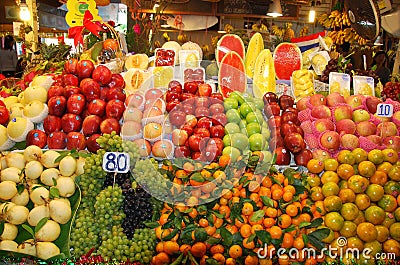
263,157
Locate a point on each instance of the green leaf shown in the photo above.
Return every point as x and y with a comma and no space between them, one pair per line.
192,259
264,236
29,230
226,236
212,240
37,186
20,188
171,236
316,237
218,215
54,182
41,223
151,225
211,261
257,216
290,229
305,239
315,223
61,156
178,223
304,224
251,238
54,193
267,201
2,227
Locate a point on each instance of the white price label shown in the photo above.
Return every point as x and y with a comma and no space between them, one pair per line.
116,162
384,110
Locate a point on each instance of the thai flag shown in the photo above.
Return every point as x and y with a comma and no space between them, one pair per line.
308,42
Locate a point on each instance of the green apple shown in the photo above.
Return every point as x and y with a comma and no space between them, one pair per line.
233,115
230,103
256,142
255,117
233,152
231,128
246,108
240,141
247,97
242,123
227,140
360,115
267,156
259,103
253,128
236,95
265,132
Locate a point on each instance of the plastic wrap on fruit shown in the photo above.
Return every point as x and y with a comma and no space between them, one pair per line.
319,63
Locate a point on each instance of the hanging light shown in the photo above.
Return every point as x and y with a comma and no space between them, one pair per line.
275,9
311,16
24,13
156,5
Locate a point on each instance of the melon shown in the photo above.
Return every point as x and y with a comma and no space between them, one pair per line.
264,74
287,59
256,45
138,61
192,46
231,75
227,43
136,79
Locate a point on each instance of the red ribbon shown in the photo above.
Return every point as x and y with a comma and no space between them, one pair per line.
178,22
94,27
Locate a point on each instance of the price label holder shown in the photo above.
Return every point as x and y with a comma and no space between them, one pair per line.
116,162
384,110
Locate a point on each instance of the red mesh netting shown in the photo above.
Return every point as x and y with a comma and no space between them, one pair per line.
311,140
306,126
396,104
304,115
367,145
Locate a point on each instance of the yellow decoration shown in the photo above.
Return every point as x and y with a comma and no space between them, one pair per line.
76,11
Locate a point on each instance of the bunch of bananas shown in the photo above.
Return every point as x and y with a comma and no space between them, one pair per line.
304,31
335,19
214,42
228,28
347,35
259,28
277,31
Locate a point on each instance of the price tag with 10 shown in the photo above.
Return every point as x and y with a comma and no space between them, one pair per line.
384,110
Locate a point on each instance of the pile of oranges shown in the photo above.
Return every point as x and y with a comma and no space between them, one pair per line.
258,214
358,195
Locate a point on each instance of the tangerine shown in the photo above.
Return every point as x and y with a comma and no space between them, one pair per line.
349,211
275,232
394,231
199,249
388,203
390,155
346,157
375,192
347,195
330,176
360,155
379,177
382,233
331,164
315,166
235,251
374,215
367,232
384,167
391,246
376,156
358,183
334,221
349,229
362,201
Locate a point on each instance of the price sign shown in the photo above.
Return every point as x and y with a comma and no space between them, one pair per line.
384,110
116,162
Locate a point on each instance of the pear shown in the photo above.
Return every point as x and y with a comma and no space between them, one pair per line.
37,214
21,198
39,194
12,174
67,166
27,247
48,159
49,232
46,250
15,160
8,245
17,215
32,153
49,175
10,232
33,169
66,186
8,189
60,211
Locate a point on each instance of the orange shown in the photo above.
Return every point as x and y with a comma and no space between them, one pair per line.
235,251
287,196
313,180
394,231
298,242
218,222
304,217
225,211
160,247
287,241
349,211
254,197
315,166
219,257
330,188
391,246
254,186
384,167
329,176
394,173
110,44
171,247
284,221
247,208
349,229
347,195
275,232
376,156
161,259
345,171
346,157
388,203
362,201
251,260
355,242
292,210
334,221
360,218
185,248
266,182
360,155
382,233
332,203
330,164
199,249
379,178
271,212
224,160
248,244
268,222
277,194
316,194
245,230
163,218
358,183
284,259
230,261
366,169
210,230
256,227
290,188
203,222
375,192
367,232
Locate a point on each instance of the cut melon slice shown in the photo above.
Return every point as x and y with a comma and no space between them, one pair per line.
232,76
227,43
136,79
138,61
264,74
256,45
287,59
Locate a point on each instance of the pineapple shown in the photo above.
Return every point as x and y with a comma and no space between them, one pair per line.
289,33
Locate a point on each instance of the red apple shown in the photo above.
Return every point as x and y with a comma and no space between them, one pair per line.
194,142
342,112
204,122
71,123
116,81
349,141
323,125
202,112
375,139
84,68
102,75
90,89
71,90
321,112
217,108
190,87
291,109
294,142
346,126
282,156
56,140
116,93
197,156
392,142
188,129
188,108
203,132
191,121
91,143
182,151
330,140
202,102
317,100
186,96
97,107
109,125
135,100
153,94
70,66
274,123
91,125
162,149
365,128
218,143
220,118
276,141
115,109
103,92
217,131
372,104
76,140
287,128
285,101
175,86
173,105
4,115
204,90
289,116
216,98
57,105
177,118
386,129
303,157
52,124
354,101
334,99
36,137
76,104
171,96
302,103
55,90
272,109
270,97
70,80
179,137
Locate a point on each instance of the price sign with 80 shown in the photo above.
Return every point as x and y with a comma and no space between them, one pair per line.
116,162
